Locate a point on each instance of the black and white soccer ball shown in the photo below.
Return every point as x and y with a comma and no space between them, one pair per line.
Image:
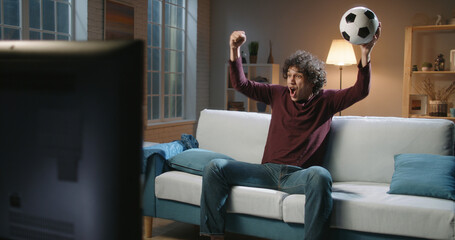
358,25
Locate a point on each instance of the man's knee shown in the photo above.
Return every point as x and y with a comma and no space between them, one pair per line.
215,166
319,177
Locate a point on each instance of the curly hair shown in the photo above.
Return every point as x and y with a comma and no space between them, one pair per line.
310,66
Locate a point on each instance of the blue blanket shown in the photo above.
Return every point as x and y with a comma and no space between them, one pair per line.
168,150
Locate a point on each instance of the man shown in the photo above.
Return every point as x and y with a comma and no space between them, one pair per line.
301,116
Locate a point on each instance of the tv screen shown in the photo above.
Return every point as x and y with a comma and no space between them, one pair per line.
70,139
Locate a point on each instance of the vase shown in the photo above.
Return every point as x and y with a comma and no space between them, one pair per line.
270,59
439,63
438,108
253,59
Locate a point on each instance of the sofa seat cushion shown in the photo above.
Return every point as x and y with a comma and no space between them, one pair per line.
367,207
260,202
358,206
187,188
179,186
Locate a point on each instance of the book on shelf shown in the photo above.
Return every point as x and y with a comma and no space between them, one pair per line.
236,106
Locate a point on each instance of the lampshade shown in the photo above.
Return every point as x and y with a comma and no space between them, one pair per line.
341,53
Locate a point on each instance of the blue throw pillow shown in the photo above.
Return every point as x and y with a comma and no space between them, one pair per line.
424,175
194,160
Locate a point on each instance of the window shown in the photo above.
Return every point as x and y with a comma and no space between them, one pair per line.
165,60
10,24
49,19
35,19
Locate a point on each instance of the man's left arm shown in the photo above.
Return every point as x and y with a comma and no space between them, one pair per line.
344,98
366,49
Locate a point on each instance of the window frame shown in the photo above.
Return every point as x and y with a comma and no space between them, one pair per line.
2,21
162,95
24,18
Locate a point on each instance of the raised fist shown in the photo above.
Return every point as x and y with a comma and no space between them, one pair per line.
238,38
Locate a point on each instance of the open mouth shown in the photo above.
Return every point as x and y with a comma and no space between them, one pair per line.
292,91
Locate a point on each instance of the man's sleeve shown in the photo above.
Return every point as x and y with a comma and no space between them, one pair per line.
254,90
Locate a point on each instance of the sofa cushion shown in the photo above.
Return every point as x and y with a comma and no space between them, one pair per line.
367,207
258,202
294,208
194,160
179,186
363,148
241,135
364,207
424,175
187,188
366,144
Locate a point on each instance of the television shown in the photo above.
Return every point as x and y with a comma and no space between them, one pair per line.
70,139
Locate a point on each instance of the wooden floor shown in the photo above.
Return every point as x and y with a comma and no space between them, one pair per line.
169,230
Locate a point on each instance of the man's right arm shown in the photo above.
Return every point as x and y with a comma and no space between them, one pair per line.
257,91
237,77
251,89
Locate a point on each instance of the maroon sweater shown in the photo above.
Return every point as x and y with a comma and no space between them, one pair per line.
298,130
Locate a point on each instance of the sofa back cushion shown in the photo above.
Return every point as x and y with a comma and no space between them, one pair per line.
363,148
240,135
359,148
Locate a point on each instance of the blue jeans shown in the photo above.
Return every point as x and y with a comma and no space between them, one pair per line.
220,175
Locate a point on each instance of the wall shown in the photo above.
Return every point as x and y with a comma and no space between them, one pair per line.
203,56
311,25
168,132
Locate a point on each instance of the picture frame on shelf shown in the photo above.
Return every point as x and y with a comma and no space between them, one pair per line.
418,104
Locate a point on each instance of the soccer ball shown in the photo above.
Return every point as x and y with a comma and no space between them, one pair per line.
358,25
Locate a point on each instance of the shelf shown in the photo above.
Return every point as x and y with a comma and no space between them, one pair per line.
433,28
433,72
432,117
410,77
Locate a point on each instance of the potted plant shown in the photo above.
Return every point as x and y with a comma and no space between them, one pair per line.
426,66
253,48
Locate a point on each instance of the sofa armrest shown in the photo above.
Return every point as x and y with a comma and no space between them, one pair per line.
154,164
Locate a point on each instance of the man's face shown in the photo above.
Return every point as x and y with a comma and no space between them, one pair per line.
299,87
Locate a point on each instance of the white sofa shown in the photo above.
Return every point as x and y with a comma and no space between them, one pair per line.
360,157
